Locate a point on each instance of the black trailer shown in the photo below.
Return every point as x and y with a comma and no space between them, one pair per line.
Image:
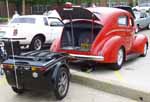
38,70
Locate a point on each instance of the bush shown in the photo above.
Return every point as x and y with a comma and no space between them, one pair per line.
3,19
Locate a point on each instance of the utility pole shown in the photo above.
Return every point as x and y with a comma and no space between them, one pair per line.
7,6
23,7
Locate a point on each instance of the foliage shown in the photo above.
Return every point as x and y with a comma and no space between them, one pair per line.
3,19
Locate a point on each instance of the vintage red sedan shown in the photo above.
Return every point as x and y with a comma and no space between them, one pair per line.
100,34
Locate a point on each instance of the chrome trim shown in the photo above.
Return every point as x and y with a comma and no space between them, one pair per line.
12,39
87,57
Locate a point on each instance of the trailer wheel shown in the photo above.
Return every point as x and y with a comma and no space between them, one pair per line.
62,83
18,91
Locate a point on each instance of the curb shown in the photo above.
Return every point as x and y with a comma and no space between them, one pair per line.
110,86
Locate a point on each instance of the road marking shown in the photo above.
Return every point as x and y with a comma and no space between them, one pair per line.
119,76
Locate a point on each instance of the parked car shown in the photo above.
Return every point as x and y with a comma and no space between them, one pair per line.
142,20
33,30
100,34
142,6
38,70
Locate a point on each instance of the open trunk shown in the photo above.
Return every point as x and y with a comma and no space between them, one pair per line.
79,35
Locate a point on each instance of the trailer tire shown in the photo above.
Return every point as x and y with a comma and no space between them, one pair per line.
18,91
62,83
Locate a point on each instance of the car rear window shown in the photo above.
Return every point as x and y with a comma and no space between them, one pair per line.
23,20
123,20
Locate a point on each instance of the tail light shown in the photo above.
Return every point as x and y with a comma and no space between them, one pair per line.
15,32
8,66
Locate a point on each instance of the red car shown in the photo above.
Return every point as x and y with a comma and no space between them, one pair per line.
101,34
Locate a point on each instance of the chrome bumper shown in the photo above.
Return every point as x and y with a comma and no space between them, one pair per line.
87,57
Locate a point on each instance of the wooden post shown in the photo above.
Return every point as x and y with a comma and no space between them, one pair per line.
118,2
130,2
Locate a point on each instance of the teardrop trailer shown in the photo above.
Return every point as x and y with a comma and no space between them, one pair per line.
38,70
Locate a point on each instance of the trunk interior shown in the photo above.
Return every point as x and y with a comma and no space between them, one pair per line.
79,35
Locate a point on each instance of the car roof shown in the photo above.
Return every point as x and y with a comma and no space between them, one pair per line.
33,16
106,13
106,10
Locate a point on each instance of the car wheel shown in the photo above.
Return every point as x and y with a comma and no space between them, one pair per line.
62,83
120,60
37,43
18,91
145,50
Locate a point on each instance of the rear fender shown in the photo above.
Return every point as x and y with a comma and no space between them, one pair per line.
110,49
138,44
56,69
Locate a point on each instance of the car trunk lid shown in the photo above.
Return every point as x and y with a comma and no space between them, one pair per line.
81,30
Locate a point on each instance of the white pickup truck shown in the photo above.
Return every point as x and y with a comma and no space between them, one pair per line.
33,30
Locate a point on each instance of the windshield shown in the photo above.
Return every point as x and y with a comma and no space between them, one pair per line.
23,20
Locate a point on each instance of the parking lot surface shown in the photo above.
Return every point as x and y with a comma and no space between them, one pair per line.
134,72
77,93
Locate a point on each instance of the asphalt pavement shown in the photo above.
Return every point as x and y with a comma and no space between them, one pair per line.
77,93
135,72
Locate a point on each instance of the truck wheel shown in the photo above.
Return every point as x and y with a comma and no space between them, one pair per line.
37,43
120,60
145,50
18,91
62,83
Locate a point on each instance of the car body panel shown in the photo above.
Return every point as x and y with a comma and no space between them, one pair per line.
116,31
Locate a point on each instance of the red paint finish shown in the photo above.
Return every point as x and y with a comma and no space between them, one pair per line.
112,36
